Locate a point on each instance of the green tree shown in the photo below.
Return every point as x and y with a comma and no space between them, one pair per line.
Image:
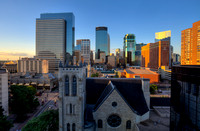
23,100
95,75
5,124
47,121
153,88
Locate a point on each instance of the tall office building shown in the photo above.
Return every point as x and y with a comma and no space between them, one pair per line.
4,91
185,97
102,42
165,36
154,54
138,57
129,48
190,45
55,34
83,45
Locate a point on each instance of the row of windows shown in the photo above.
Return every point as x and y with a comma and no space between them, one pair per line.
74,86
100,124
73,127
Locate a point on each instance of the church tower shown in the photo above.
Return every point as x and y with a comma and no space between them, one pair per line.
72,81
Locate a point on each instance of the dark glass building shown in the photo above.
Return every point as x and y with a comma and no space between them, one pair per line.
185,98
102,41
55,33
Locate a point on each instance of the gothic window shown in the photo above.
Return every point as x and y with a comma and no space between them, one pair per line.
66,85
73,127
73,109
114,120
74,86
68,127
128,124
70,108
100,124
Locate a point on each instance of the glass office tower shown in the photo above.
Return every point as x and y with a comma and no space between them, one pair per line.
129,49
55,33
102,41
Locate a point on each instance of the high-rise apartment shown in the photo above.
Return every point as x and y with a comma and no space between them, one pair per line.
102,41
129,48
190,45
155,55
55,34
84,46
4,91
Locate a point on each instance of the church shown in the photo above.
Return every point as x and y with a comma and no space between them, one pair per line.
101,104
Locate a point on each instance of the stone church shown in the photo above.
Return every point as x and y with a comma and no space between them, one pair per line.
101,104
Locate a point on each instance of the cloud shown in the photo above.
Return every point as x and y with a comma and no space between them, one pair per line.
14,54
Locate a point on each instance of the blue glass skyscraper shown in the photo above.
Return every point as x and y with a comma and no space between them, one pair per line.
102,41
55,33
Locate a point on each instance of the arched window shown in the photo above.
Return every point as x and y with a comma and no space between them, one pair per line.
66,85
128,124
68,127
70,108
100,123
74,86
73,127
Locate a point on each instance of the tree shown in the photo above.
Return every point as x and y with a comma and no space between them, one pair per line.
95,75
153,88
5,124
23,100
47,121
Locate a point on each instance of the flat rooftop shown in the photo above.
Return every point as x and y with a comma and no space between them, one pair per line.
3,71
139,71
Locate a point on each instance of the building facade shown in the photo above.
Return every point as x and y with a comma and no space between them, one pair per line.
84,46
185,98
55,33
4,91
11,66
154,54
32,65
129,49
190,45
102,42
100,104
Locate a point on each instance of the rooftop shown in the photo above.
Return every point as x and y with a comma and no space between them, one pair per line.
139,71
3,71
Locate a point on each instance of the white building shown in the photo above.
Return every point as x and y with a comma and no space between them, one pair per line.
100,103
4,90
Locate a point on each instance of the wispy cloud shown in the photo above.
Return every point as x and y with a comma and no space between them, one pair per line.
14,54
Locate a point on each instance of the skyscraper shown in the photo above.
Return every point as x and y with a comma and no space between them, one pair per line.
165,36
102,41
129,48
84,46
55,33
190,45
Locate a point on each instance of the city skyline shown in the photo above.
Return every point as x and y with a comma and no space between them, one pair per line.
18,39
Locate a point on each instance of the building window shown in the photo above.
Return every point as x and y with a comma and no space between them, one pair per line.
74,86
128,124
66,85
114,104
114,120
100,124
70,108
73,127
68,127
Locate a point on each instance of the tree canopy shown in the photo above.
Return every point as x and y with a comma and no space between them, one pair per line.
153,88
47,121
23,100
5,124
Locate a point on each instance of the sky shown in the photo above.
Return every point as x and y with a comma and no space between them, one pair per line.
140,17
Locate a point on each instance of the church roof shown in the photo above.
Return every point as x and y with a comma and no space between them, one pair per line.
98,89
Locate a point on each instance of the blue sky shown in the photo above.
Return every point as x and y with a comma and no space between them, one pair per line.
141,17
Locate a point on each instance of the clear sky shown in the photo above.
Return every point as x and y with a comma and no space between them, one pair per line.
140,17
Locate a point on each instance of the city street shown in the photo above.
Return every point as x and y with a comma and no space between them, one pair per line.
50,102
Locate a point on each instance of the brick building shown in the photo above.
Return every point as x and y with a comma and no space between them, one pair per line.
155,55
190,45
